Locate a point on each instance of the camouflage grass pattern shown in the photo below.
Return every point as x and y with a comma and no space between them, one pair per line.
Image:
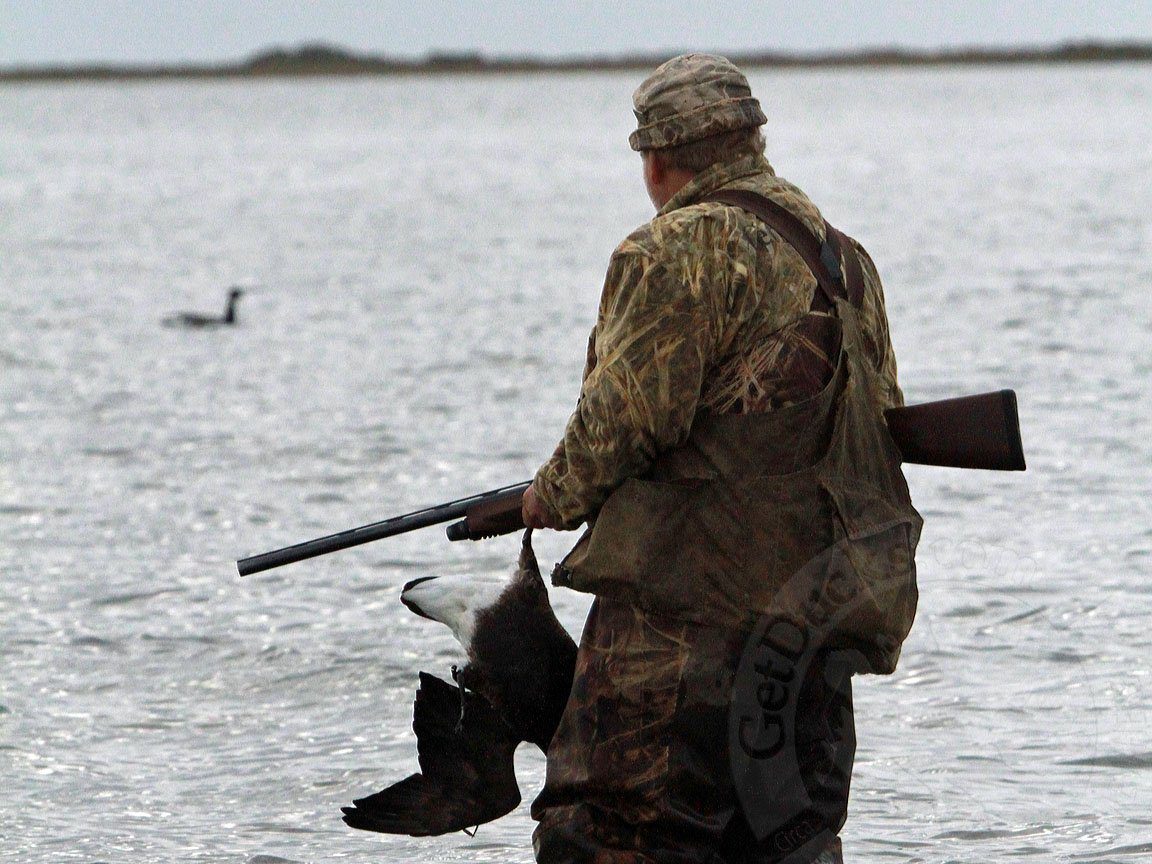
639,769
695,316
690,97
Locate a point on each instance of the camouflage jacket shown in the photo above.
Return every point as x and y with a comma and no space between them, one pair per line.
694,316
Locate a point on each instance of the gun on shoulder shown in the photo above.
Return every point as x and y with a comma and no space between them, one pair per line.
981,431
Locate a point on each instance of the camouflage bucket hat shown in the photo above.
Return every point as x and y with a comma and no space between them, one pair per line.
691,97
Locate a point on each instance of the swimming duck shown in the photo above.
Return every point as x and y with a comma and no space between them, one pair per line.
197,320
513,688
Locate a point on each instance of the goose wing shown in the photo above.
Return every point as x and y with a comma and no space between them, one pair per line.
467,773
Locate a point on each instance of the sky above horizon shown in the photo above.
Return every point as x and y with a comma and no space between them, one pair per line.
64,32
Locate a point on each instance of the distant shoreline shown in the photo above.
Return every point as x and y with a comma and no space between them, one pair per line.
325,60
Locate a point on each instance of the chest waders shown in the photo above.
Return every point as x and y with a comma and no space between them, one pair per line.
771,549
801,511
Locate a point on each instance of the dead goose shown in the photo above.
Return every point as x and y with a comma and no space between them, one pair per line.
512,689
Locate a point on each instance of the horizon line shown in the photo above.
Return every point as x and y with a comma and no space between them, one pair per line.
321,58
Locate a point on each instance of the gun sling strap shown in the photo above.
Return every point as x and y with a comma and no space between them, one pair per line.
822,257
990,422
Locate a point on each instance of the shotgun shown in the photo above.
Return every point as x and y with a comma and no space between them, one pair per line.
500,510
981,431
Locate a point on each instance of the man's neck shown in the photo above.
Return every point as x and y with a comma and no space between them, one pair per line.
713,178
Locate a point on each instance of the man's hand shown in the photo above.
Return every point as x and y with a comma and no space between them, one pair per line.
534,513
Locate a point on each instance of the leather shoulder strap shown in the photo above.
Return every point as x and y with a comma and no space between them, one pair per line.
853,271
822,257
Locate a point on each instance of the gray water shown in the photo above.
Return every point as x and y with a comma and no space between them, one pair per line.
424,258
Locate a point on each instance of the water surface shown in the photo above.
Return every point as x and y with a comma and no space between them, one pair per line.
425,257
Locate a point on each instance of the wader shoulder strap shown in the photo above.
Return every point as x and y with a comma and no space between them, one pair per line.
822,257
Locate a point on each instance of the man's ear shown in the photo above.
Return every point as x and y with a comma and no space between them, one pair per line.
657,171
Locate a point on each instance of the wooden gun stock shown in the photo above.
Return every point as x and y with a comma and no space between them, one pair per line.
981,431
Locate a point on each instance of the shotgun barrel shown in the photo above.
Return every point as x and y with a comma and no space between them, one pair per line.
507,497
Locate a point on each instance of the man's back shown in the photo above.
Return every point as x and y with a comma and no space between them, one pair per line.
760,286
699,314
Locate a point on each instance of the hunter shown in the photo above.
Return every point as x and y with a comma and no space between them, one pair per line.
751,537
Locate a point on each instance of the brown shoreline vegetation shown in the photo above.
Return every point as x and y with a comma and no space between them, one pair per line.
325,60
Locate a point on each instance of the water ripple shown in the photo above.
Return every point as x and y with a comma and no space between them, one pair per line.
1139,761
